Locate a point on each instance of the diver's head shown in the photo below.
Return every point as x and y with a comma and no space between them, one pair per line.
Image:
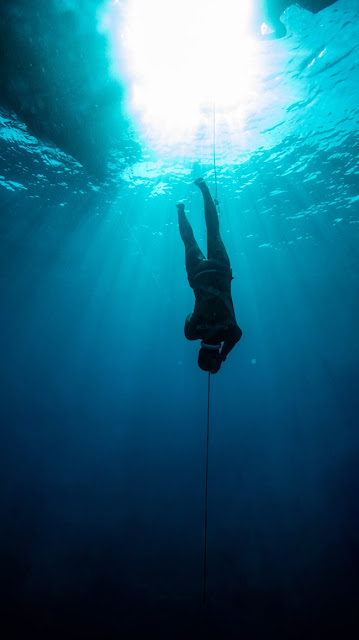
209,357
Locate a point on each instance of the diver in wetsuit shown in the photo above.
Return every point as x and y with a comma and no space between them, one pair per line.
213,320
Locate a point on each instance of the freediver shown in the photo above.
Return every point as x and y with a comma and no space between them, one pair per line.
213,320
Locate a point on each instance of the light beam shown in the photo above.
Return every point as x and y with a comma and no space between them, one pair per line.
180,57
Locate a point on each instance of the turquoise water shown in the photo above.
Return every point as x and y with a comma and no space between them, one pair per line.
103,405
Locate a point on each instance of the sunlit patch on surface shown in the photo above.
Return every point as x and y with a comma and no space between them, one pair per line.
180,58
265,29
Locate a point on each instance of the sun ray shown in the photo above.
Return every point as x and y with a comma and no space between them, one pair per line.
178,58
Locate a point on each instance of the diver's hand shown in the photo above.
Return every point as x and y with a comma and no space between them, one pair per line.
216,369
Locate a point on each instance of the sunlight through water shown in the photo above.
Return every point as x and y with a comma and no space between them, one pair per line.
179,59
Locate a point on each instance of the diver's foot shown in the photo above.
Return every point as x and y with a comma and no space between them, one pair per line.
199,182
180,207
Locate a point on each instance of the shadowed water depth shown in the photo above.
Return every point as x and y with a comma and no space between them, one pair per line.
103,407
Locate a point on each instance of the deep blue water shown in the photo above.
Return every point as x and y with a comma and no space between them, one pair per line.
103,407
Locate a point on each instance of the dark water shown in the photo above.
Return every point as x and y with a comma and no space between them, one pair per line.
103,408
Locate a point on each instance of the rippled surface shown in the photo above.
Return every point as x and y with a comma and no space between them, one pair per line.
307,109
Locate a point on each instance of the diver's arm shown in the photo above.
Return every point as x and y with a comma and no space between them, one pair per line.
234,335
190,330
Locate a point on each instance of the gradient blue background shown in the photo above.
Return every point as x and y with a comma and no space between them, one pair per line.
103,408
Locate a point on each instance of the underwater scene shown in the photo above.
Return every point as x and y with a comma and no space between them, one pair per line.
179,385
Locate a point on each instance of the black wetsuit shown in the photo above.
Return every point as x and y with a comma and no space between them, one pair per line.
213,319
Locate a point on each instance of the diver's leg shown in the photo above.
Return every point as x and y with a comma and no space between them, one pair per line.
193,252
215,247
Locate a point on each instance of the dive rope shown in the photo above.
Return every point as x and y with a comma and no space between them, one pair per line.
209,377
214,156
205,508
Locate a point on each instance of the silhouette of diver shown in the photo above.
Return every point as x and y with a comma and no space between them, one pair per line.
213,320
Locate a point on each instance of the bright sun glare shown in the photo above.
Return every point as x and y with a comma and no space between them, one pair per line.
180,57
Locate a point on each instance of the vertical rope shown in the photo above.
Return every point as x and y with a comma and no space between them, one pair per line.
209,379
214,156
206,499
